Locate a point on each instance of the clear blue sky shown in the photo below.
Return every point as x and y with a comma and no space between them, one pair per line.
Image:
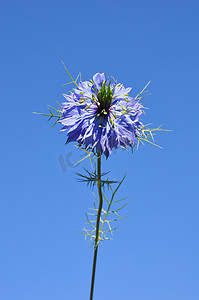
154,254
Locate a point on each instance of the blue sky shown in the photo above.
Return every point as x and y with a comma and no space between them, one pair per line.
154,254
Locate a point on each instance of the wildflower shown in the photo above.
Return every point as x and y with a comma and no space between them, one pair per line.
100,115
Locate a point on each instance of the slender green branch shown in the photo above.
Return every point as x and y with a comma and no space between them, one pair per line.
97,222
70,75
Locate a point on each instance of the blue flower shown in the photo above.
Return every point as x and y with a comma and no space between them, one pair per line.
100,115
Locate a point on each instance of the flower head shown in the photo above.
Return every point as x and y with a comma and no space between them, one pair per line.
101,115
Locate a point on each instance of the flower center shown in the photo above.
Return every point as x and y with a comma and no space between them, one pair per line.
104,97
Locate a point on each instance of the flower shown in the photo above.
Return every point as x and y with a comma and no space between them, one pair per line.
100,115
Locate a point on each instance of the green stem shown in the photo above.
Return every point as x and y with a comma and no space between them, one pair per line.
97,222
